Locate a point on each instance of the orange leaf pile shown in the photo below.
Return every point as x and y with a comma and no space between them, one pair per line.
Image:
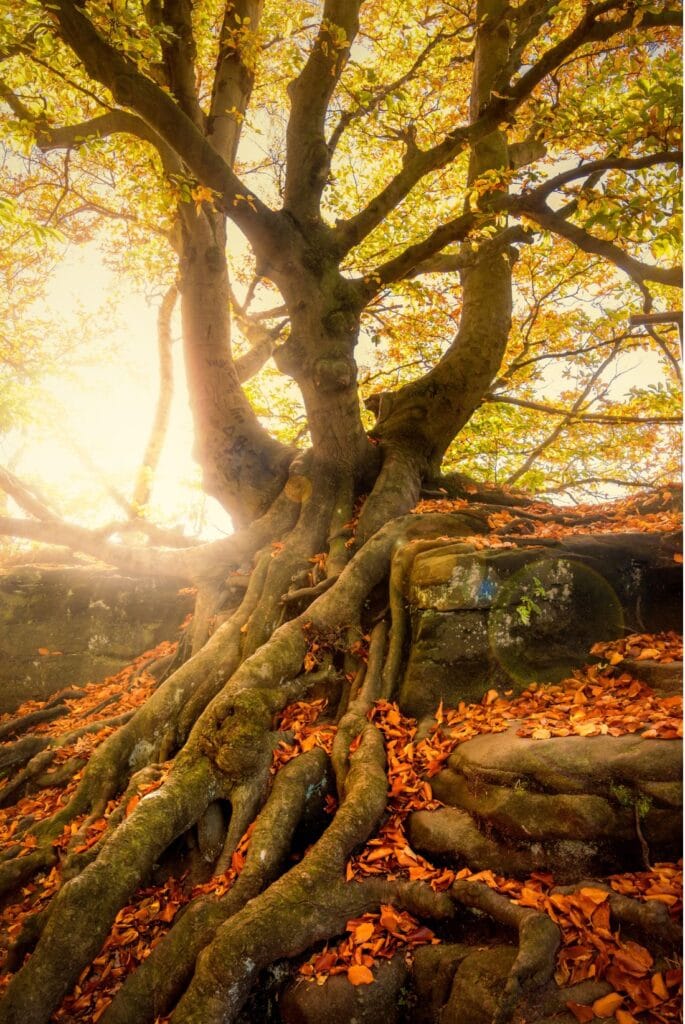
594,948
300,719
371,937
124,691
663,647
137,929
631,515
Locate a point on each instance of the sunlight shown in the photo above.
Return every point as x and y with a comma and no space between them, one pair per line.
91,433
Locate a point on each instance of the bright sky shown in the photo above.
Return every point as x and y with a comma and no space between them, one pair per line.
107,408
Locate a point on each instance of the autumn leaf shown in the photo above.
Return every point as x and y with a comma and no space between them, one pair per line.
132,804
582,1013
623,1017
363,932
358,974
607,1005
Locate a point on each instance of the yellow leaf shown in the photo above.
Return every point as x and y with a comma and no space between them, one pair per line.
132,804
581,1012
648,654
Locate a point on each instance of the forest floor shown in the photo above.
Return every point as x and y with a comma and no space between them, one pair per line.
600,699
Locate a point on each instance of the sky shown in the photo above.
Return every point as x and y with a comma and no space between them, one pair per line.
106,409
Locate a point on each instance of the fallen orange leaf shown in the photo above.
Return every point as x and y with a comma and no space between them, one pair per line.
582,1013
359,975
607,1005
363,932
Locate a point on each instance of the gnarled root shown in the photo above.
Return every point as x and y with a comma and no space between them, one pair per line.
539,940
160,979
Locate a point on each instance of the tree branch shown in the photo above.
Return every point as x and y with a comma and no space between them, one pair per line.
262,340
450,263
582,239
24,496
308,156
498,110
609,164
233,77
640,485
179,52
15,104
574,411
153,449
113,123
406,263
349,116
105,64
552,410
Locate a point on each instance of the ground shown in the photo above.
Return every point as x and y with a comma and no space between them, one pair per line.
520,846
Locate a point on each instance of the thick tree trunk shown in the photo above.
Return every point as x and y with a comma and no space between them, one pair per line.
243,466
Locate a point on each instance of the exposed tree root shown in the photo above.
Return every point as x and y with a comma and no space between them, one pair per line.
539,939
214,714
157,984
650,919
274,925
86,906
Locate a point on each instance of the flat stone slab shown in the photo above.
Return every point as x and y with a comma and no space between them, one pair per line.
663,678
89,621
570,764
519,804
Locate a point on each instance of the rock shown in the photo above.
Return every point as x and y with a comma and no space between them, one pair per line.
451,835
666,679
447,578
569,804
518,812
569,764
339,1002
530,613
97,619
450,660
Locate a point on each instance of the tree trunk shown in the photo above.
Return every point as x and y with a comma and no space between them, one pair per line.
243,467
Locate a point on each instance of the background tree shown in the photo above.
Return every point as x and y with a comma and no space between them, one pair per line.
513,170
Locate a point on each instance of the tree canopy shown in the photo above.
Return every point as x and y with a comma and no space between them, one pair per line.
420,251
342,144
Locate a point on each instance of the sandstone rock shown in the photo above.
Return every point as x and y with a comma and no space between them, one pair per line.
451,835
662,678
482,618
517,812
98,620
570,804
569,764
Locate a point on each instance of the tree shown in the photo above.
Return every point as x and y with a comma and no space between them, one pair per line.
488,131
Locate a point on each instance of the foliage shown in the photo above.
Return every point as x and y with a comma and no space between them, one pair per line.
405,85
